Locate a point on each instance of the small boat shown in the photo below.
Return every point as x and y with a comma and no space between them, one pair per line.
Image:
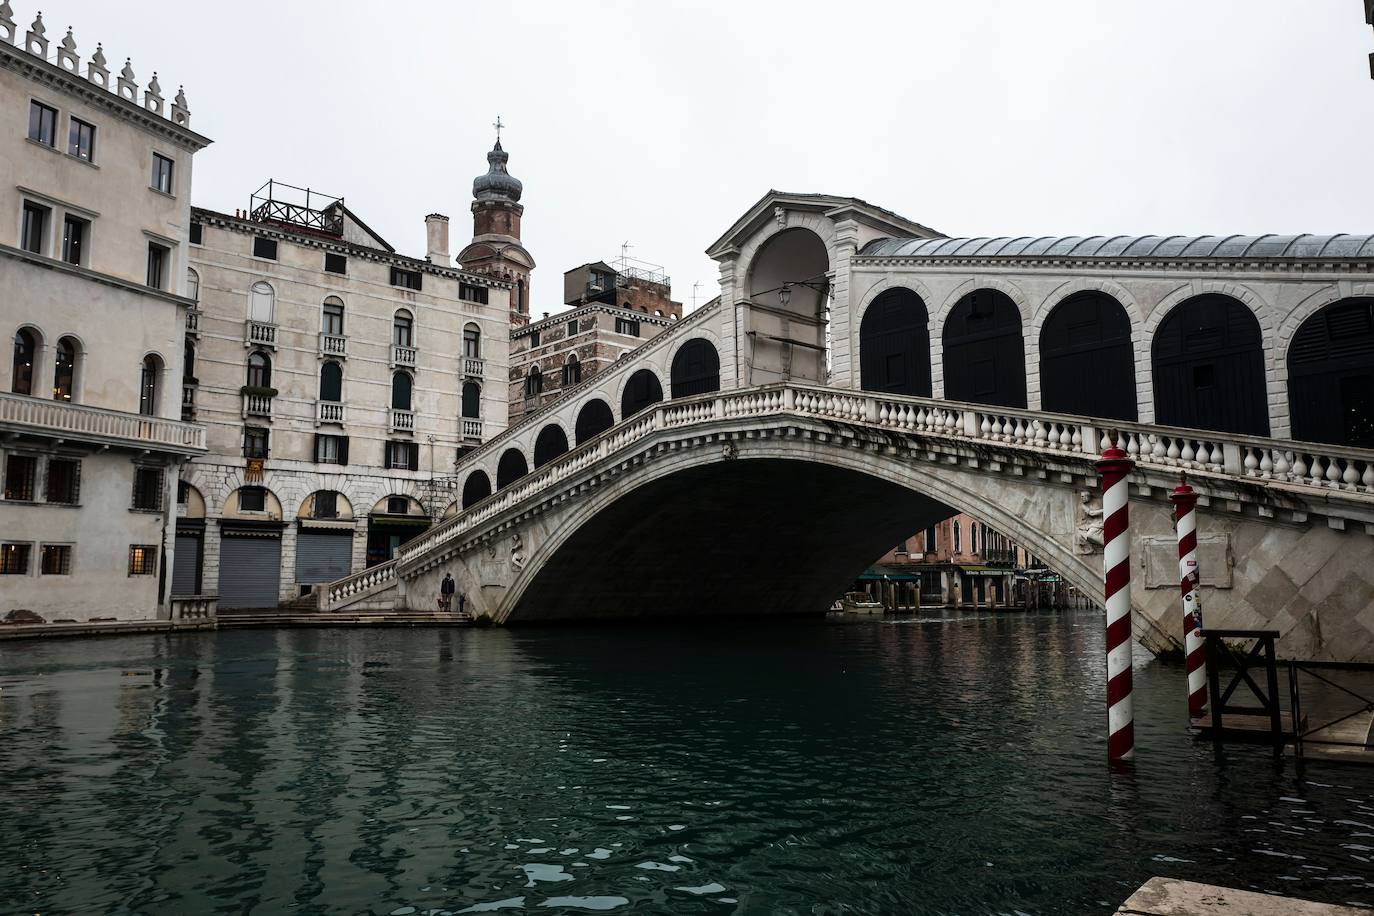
860,603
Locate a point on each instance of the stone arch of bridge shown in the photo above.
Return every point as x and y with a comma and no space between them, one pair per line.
940,316
787,288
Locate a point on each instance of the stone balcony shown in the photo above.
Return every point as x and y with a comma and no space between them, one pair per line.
402,357
473,367
257,405
97,426
329,412
333,346
259,334
188,401
472,429
402,421
193,322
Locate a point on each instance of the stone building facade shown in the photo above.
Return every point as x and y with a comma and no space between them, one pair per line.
95,179
957,562
339,381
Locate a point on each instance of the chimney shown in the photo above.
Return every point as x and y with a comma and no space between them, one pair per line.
436,237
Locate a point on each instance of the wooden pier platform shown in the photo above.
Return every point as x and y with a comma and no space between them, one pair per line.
1172,897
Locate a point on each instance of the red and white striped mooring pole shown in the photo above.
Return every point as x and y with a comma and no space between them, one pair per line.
1185,523
1113,468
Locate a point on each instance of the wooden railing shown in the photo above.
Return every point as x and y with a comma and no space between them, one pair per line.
77,421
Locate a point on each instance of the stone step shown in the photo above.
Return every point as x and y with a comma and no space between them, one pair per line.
1172,897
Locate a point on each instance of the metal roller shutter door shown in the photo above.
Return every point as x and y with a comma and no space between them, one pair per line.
249,571
186,564
323,556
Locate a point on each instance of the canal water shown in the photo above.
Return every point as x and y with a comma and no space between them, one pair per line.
942,764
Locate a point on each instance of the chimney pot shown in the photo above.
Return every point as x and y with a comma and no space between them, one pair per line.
436,238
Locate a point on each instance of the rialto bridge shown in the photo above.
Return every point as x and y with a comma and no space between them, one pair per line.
861,377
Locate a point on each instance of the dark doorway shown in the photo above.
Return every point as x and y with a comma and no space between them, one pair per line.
511,468
1087,364
641,390
551,443
894,345
476,488
593,419
985,361
696,369
1331,375
1208,366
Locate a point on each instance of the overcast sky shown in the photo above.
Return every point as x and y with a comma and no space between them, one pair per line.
661,122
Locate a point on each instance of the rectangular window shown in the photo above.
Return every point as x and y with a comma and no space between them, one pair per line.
42,123
930,540
56,560
572,326
534,339
472,292
410,279
254,442
14,559
162,174
397,505
326,504
252,499
21,473
331,449
64,481
335,263
183,492
35,227
148,488
142,559
333,319
197,233
158,256
81,140
74,230
627,326
265,248
403,456
472,343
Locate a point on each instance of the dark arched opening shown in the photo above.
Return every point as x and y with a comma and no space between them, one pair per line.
476,488
400,391
331,382
1331,375
593,419
894,345
472,400
1087,364
511,468
787,312
550,443
696,369
985,359
1208,367
641,390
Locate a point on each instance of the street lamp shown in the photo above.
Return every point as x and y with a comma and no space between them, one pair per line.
785,294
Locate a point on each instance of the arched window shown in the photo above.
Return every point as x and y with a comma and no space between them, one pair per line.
894,344
259,370
400,391
534,382
25,354
973,538
1087,363
641,390
472,342
64,370
593,419
332,317
572,371
551,443
476,488
472,400
930,540
262,304
331,382
695,369
958,546
1208,364
402,329
985,361
147,385
1331,375
192,285
511,468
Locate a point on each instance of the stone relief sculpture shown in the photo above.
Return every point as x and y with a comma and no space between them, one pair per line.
517,552
1089,537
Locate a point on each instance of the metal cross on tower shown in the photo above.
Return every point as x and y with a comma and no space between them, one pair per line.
498,125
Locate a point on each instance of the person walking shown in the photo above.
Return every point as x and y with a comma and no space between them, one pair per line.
446,590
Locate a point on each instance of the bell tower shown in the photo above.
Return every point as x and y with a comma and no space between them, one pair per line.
495,248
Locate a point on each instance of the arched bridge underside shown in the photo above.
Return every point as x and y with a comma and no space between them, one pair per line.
771,500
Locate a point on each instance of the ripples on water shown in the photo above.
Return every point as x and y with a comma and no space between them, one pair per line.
945,765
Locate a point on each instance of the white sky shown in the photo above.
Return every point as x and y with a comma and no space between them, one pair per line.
660,122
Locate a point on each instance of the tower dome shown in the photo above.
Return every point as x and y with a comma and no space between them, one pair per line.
497,183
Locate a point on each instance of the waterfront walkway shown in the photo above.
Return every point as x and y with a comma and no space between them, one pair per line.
1172,897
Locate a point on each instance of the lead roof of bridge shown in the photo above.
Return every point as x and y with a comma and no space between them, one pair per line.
1129,246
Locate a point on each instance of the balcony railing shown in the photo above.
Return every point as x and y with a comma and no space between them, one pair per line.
94,424
328,412
335,345
402,356
402,421
473,366
188,402
257,405
193,322
260,334
472,429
